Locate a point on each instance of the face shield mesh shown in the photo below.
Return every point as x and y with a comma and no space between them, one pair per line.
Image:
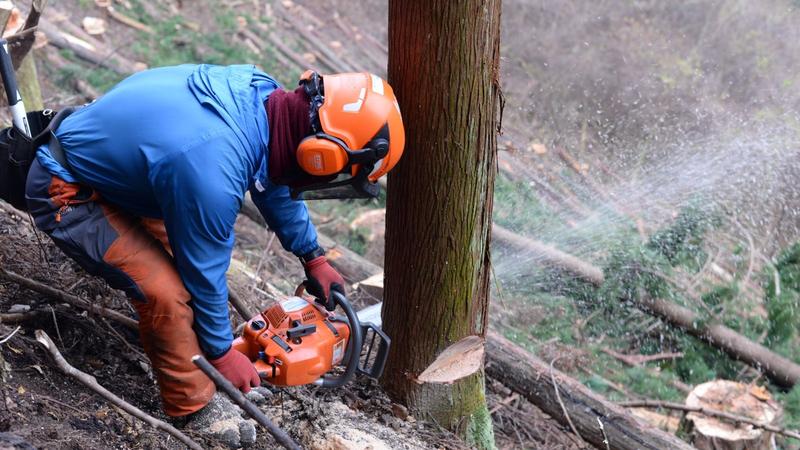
343,187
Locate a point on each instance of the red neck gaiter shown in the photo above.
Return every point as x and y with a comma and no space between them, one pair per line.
287,113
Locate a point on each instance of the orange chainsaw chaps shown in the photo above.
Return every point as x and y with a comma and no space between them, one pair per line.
293,342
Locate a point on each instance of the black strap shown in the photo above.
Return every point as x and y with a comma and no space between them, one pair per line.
56,151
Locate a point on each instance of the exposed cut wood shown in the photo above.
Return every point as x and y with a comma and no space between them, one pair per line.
713,433
664,422
711,413
372,285
94,25
457,361
537,381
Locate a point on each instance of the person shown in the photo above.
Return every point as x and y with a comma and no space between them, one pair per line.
142,187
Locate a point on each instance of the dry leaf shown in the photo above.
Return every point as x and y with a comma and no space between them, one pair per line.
21,390
761,393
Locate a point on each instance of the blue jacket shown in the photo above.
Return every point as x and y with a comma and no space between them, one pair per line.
183,144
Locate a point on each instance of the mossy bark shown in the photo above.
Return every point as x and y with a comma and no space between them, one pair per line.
29,87
443,65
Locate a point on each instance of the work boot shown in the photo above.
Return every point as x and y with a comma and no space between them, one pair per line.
224,421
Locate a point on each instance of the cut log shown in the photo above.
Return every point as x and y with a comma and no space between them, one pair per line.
351,265
597,420
781,370
714,433
110,61
547,255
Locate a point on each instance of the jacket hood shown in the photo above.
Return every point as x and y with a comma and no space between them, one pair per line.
237,93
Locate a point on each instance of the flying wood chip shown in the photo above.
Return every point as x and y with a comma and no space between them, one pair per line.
458,361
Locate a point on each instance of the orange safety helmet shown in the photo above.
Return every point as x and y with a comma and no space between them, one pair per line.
358,134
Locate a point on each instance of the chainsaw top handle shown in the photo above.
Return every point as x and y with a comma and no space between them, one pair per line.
354,346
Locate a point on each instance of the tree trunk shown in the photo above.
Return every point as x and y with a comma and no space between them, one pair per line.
443,65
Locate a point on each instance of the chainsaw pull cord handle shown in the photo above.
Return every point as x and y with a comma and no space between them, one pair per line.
356,341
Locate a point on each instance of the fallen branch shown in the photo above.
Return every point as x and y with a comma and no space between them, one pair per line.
244,311
14,318
325,56
542,385
68,298
125,20
224,385
90,382
24,43
781,370
66,41
638,360
711,413
352,266
298,60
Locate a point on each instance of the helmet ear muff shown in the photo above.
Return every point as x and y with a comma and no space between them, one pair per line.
319,156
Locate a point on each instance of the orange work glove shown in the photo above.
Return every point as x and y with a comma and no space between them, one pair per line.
321,280
234,366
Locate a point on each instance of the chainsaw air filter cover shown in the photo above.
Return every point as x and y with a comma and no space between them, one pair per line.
294,342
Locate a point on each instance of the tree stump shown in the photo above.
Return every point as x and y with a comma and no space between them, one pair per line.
755,402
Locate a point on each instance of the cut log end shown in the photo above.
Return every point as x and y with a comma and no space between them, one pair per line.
736,398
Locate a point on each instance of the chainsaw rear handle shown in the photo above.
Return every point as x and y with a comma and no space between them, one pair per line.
354,349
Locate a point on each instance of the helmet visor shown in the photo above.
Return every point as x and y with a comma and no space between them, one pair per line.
343,187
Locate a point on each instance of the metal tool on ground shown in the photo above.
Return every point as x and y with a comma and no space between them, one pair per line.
224,385
296,341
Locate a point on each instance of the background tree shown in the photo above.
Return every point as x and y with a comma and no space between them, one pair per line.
443,65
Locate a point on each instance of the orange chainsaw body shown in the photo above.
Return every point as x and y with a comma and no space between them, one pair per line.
293,342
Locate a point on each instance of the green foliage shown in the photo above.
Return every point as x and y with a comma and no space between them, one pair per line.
644,383
783,297
681,242
100,78
701,362
176,42
791,405
517,206
720,295
357,240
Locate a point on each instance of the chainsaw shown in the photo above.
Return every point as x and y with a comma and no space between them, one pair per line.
296,341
